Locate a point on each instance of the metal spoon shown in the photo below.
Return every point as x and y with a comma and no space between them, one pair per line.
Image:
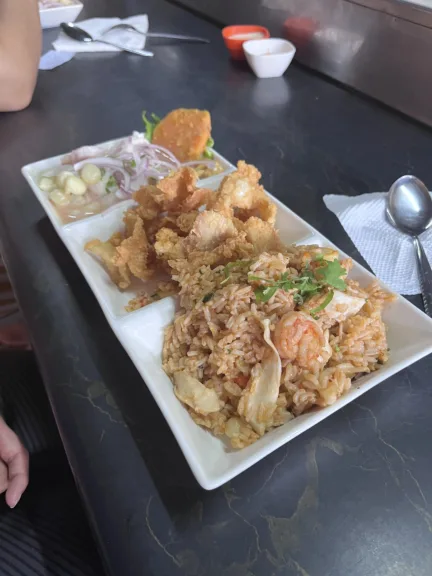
158,34
409,209
77,33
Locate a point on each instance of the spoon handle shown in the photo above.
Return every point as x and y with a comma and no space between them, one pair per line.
131,50
175,36
425,273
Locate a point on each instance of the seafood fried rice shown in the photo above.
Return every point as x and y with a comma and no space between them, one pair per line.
250,358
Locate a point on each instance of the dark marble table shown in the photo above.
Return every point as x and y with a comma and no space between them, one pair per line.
352,495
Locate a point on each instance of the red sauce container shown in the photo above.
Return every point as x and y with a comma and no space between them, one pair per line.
234,36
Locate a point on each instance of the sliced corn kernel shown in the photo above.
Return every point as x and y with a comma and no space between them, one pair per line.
74,185
46,184
91,174
61,178
58,197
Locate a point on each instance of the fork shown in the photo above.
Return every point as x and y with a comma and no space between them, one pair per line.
157,34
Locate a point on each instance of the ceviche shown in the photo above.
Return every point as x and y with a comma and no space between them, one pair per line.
92,178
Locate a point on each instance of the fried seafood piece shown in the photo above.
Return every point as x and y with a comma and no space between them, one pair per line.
128,255
236,248
152,227
205,241
241,195
134,252
175,193
262,235
116,239
169,245
185,222
181,192
130,218
179,223
213,240
149,200
210,229
107,253
184,132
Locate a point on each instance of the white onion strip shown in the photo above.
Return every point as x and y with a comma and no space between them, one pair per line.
103,161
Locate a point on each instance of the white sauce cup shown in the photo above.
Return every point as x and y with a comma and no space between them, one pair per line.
269,57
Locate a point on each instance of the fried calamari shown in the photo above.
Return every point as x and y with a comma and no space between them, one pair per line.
177,227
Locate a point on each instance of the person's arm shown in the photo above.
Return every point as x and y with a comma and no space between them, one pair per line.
20,49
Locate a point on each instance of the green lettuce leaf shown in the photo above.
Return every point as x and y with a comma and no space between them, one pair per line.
150,125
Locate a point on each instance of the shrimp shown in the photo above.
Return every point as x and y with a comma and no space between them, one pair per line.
300,339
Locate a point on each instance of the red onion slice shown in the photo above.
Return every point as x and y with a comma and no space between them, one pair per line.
165,151
162,164
124,181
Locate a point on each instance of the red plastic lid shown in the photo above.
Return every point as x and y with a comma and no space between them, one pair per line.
234,36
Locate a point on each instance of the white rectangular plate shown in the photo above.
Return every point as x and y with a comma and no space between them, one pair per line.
141,334
53,17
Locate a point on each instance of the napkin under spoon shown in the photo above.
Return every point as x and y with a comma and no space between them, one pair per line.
77,33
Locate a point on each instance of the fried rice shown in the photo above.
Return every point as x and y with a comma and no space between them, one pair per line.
217,338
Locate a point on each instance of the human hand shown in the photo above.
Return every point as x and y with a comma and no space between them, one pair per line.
15,336
14,465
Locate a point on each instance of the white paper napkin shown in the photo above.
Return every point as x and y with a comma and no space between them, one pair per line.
97,26
388,252
53,59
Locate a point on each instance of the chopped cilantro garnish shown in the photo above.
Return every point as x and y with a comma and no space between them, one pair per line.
263,294
208,152
208,297
337,348
330,273
323,304
112,183
304,286
298,298
310,282
150,125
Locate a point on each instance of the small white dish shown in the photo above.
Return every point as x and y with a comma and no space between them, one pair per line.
53,17
269,57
